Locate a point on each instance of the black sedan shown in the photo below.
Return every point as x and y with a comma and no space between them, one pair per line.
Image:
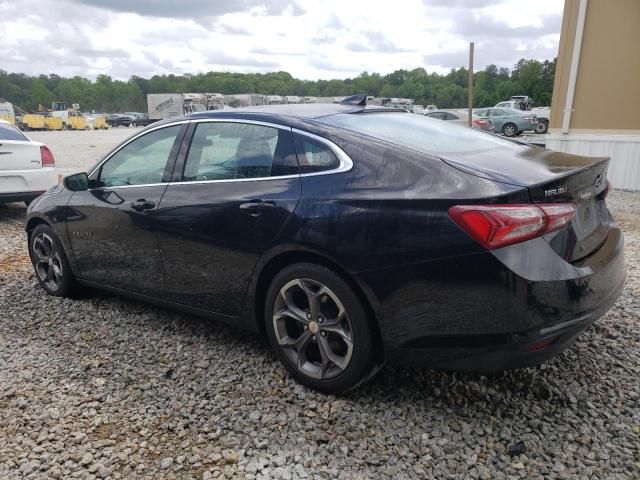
347,235
141,120
117,119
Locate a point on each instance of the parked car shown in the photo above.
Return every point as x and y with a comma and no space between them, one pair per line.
522,102
508,121
118,119
142,120
460,118
348,235
27,168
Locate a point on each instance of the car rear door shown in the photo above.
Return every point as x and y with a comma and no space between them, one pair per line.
498,117
236,184
111,226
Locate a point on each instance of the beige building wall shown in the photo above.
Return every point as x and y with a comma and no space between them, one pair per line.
607,92
605,113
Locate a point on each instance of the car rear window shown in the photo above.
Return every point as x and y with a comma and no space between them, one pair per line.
418,132
9,132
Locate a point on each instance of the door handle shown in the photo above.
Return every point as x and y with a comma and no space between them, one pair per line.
256,207
142,204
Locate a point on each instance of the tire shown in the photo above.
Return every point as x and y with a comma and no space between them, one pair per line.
50,263
542,127
509,130
134,124
330,353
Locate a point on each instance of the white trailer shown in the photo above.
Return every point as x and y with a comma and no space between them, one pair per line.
244,100
167,105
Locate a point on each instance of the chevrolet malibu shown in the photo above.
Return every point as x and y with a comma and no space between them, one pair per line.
347,235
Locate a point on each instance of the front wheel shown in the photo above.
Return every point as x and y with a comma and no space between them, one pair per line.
50,262
542,126
510,130
319,329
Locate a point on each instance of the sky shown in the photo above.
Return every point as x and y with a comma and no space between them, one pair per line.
311,39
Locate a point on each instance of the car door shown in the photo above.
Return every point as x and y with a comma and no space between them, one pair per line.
111,225
236,186
497,117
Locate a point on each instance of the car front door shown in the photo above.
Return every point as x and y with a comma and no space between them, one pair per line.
236,186
111,225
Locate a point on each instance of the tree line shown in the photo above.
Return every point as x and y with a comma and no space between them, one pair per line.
104,94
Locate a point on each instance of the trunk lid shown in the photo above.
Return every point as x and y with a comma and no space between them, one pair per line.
19,155
552,177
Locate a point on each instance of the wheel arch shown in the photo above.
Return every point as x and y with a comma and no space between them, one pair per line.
275,262
33,222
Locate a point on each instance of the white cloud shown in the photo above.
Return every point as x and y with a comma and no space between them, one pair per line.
309,39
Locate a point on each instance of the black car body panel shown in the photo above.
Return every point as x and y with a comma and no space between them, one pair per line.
437,295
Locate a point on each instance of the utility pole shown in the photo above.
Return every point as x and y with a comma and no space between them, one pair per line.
470,86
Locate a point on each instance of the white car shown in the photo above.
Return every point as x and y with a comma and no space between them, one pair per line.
27,168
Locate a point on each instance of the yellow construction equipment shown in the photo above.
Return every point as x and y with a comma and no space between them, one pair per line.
100,123
6,111
72,118
33,121
52,123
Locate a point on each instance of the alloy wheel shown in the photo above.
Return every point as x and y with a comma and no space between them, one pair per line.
509,130
47,261
313,328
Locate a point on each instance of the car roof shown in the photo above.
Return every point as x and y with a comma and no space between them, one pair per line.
298,110
282,114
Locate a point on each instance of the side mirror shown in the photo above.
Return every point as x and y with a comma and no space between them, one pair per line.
77,182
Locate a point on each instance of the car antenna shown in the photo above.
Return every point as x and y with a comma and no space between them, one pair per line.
359,100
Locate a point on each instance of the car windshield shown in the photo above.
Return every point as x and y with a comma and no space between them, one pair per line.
418,132
9,132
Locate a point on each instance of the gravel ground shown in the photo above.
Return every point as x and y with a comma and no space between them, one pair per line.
78,151
105,387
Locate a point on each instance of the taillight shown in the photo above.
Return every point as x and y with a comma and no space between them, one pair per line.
495,226
480,122
47,157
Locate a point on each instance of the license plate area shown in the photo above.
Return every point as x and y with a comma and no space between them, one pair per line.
587,218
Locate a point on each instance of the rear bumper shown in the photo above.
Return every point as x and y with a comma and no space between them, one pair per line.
519,350
18,185
497,310
18,196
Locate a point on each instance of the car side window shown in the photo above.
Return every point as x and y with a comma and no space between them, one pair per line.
233,150
450,116
141,161
9,132
438,115
314,156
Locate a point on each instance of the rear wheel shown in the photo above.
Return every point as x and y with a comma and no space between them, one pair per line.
510,130
319,329
50,262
